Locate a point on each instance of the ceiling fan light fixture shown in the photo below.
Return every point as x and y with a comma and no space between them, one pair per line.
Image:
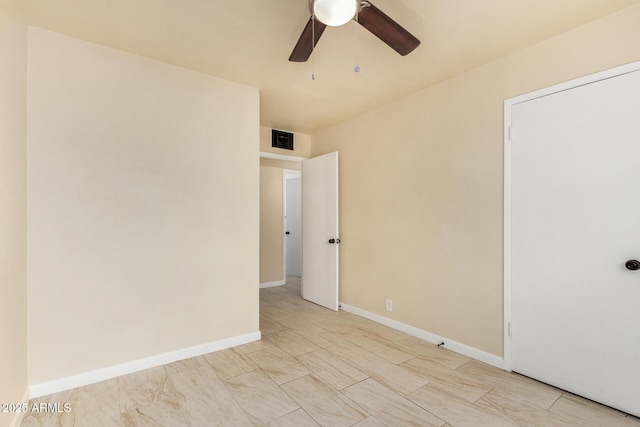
334,12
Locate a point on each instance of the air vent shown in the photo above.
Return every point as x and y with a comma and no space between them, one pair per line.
281,139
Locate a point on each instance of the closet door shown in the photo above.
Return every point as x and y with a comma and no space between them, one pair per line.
575,304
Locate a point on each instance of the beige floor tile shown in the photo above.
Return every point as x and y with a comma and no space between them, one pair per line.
254,346
283,303
291,343
101,404
323,403
389,407
333,370
430,351
41,420
230,363
184,365
313,314
588,413
337,345
230,415
381,331
397,378
275,313
382,348
264,303
201,391
278,365
146,387
525,414
98,421
260,397
269,326
294,281
39,416
301,326
156,414
438,373
297,418
339,325
95,404
274,289
519,386
453,409
312,306
369,422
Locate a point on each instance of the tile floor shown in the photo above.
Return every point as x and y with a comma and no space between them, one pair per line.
316,367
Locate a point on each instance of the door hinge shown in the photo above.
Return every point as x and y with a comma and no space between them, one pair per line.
509,329
509,133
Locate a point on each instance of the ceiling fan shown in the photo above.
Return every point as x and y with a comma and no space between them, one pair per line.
338,12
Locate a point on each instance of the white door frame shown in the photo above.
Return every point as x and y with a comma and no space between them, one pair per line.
508,104
286,174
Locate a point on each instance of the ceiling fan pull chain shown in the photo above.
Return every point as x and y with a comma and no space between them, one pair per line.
357,67
313,45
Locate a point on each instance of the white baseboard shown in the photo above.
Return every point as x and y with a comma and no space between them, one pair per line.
68,383
463,349
271,284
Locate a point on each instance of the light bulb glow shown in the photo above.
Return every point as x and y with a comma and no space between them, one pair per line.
334,12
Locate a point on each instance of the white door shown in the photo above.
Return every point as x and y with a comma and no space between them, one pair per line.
320,230
293,227
575,305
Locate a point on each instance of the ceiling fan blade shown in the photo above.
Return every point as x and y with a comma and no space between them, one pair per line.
305,45
387,30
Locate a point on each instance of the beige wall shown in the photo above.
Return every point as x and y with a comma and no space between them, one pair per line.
421,186
143,207
301,143
13,208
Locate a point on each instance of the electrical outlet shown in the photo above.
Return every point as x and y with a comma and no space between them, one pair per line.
389,305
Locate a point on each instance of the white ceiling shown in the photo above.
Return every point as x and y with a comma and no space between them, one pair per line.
250,41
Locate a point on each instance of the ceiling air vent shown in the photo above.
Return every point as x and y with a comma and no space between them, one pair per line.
281,139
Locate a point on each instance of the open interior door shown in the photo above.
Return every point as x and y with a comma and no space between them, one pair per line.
320,238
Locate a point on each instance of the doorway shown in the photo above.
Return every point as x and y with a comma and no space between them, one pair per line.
299,232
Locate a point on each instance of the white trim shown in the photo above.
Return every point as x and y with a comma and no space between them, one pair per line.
291,174
103,374
272,284
571,84
507,237
508,137
463,349
276,156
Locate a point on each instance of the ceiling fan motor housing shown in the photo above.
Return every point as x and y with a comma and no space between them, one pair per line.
369,16
334,12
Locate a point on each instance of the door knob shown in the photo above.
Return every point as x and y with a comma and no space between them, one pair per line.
632,265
